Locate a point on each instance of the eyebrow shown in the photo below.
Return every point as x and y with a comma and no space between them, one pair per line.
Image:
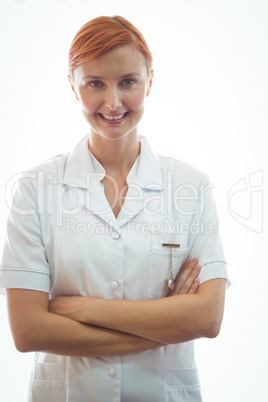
100,78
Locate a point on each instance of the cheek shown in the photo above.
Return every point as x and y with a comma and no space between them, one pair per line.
89,104
136,102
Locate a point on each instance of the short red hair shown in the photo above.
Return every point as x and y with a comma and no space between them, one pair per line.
102,34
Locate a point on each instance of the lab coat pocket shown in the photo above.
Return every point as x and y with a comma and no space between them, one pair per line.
183,385
48,383
159,270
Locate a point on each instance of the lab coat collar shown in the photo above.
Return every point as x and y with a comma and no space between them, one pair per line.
149,173
79,171
79,166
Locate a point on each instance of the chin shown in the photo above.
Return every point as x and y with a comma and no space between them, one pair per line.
113,136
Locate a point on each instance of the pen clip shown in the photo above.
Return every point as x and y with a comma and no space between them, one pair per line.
171,280
172,245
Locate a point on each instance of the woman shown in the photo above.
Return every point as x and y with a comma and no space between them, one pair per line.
96,238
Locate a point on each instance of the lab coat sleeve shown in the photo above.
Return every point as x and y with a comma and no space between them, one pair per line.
204,239
24,264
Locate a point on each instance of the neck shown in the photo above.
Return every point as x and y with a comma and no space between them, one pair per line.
117,157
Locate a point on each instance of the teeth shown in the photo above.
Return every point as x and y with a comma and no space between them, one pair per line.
109,117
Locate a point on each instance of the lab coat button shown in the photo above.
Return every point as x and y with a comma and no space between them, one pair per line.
114,285
115,235
111,371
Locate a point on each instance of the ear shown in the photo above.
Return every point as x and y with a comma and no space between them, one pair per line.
150,82
72,86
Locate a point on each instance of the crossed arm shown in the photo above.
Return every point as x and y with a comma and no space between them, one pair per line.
82,326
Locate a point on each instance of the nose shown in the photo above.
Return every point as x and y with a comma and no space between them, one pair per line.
113,99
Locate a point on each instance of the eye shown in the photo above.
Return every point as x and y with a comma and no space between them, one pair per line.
128,82
95,84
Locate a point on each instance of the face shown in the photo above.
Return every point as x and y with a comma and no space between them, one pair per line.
112,90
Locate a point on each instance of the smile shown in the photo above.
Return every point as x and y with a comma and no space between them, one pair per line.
113,117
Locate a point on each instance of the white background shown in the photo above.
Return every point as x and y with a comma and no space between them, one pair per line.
208,107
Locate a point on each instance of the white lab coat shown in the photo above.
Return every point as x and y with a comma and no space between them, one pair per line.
62,238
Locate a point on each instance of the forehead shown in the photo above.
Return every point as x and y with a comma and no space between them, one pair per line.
118,61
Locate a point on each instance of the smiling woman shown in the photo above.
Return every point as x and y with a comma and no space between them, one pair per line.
112,91
106,279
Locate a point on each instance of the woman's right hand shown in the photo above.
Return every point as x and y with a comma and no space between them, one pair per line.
186,281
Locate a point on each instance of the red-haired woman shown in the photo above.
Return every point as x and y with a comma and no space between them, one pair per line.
113,263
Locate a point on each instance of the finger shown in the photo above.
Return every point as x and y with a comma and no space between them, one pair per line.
187,285
194,287
185,277
185,273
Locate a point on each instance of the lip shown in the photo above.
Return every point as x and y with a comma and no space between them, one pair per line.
118,121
